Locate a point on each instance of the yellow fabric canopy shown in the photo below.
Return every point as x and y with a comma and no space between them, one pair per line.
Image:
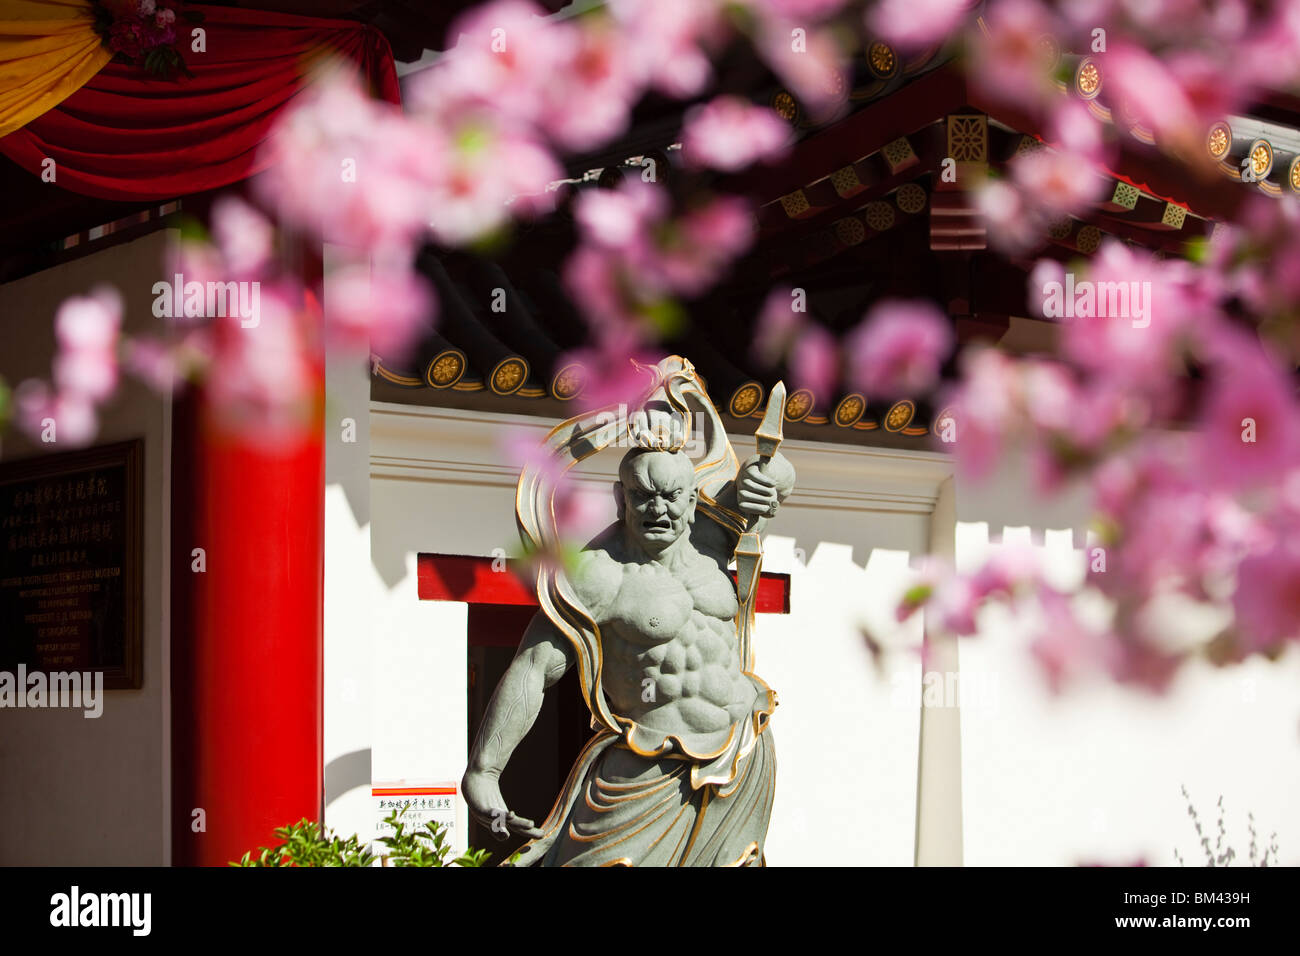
48,50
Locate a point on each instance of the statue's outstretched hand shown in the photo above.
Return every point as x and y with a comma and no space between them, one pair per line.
483,794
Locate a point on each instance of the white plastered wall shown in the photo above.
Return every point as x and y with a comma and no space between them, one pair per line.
78,792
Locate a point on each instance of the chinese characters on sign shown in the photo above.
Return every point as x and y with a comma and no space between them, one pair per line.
70,562
421,804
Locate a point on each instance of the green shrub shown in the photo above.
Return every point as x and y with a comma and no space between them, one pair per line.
307,843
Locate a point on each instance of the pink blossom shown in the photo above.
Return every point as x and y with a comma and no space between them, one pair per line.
92,375
1076,132
355,171
899,348
620,218
72,414
1009,62
1065,648
153,362
815,361
1270,54
382,309
1248,431
260,380
87,329
777,326
243,235
579,510
914,25
1141,312
90,323
1259,258
489,172
671,39
1008,570
1013,226
588,99
694,255
1266,602
812,66
501,57
592,276
1053,183
954,606
1145,87
1051,395
983,410
729,133
615,374
632,258
814,10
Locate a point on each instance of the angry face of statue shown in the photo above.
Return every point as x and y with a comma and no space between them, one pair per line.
656,497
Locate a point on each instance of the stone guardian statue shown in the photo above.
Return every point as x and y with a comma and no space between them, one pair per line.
681,769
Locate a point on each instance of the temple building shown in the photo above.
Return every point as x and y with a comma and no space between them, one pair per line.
355,606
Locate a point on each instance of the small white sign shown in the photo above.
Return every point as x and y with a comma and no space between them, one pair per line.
420,803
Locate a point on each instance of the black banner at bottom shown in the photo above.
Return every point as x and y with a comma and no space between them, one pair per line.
128,906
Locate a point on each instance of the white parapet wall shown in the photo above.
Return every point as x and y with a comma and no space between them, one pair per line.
1095,775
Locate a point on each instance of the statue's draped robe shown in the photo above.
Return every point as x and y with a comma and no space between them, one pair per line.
620,808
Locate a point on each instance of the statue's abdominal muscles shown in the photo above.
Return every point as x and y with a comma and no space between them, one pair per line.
673,662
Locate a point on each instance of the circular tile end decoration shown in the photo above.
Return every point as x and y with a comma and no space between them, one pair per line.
745,399
1087,79
446,368
1261,158
881,60
798,405
850,410
568,382
785,106
509,375
899,415
1219,140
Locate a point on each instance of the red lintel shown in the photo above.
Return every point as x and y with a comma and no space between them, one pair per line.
458,577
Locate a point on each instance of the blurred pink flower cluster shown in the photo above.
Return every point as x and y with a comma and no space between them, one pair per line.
897,350
1180,410
86,329
1195,478
634,260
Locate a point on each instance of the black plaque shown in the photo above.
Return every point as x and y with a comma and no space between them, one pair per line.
71,547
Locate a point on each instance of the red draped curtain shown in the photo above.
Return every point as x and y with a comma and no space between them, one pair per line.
129,135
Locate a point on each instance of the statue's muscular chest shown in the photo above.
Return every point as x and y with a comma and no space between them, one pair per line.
655,604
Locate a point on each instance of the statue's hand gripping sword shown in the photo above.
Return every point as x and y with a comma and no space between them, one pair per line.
749,549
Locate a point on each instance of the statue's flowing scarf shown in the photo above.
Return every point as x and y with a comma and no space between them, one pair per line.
728,769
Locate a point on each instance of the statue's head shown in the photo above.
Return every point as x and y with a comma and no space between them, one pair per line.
655,495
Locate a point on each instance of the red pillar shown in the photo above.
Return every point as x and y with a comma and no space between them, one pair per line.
246,637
